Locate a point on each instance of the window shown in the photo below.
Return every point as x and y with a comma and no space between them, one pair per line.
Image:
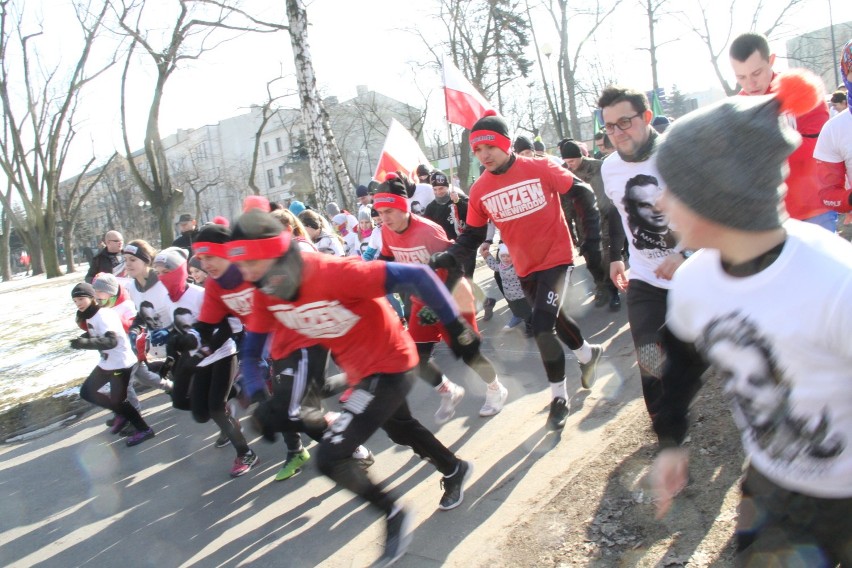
266,148
278,144
281,172
270,178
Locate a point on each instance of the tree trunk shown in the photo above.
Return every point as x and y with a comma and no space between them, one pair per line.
68,243
322,172
5,254
464,161
341,172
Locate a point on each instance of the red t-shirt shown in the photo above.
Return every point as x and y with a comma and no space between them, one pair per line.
417,243
341,306
802,200
524,204
220,303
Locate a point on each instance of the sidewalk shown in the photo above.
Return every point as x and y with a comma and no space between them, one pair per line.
78,496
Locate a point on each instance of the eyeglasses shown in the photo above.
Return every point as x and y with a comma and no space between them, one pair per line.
623,123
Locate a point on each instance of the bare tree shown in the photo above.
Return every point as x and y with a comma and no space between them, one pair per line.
572,53
486,40
710,30
5,238
328,170
38,131
70,199
198,181
198,27
653,11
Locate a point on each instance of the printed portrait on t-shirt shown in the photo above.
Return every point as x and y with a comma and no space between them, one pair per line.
150,316
183,320
761,396
416,208
648,224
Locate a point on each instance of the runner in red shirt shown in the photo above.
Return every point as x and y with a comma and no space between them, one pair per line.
413,239
304,295
521,196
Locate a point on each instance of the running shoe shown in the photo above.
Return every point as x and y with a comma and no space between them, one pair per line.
453,486
398,525
589,371
139,437
495,398
118,424
244,463
559,411
293,464
450,399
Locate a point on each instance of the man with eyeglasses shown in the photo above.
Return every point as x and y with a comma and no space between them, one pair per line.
634,185
109,259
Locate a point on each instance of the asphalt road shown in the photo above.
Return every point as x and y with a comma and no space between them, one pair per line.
80,497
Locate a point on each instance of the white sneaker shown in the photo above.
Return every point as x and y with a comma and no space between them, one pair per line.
494,400
449,401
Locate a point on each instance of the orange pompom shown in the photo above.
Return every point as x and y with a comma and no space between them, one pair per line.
256,202
490,112
798,90
219,220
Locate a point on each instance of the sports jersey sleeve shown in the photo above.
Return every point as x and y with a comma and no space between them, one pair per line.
260,320
561,179
213,309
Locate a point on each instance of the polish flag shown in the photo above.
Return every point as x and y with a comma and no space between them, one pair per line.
464,103
400,152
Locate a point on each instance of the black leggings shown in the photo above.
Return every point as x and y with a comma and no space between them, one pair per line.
118,380
296,403
208,394
378,401
432,374
776,525
545,292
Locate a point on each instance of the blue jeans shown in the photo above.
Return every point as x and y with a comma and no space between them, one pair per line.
827,220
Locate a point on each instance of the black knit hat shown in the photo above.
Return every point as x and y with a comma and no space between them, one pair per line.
397,183
361,191
83,290
570,149
439,179
491,129
255,224
213,233
423,170
522,143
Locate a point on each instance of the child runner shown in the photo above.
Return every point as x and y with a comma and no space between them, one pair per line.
414,239
767,303
112,295
326,241
512,290
197,272
303,292
106,334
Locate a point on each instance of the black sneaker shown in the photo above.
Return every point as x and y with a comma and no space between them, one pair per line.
600,299
398,527
615,302
454,486
589,371
488,308
222,440
558,414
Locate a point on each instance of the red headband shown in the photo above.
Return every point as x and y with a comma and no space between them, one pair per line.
491,138
256,249
212,249
390,200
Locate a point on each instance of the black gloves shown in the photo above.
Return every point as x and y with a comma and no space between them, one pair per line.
185,342
427,316
444,260
463,340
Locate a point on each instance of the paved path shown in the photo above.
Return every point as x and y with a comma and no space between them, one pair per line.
80,497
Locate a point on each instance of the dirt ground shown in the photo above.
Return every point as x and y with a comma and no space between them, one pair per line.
604,516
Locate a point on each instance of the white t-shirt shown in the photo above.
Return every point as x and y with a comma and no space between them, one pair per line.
835,143
120,356
424,195
649,237
781,341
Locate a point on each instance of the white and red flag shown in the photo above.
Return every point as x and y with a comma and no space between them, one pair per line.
400,152
464,103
